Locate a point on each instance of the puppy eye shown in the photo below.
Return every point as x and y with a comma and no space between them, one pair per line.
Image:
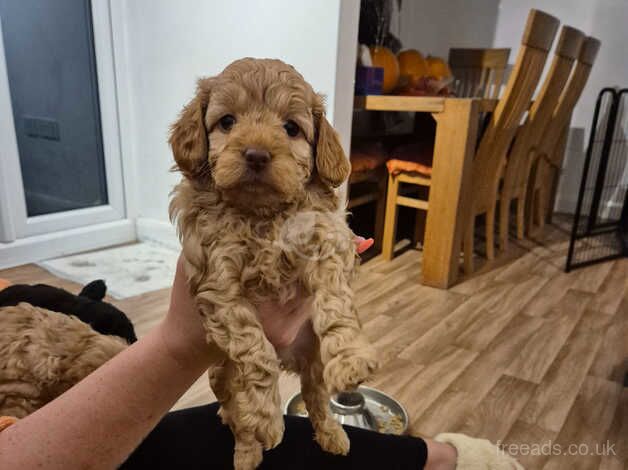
226,122
292,129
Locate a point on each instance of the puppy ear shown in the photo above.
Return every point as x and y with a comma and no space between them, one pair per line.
331,162
188,136
95,290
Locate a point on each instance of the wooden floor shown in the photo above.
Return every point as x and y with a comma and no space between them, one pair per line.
521,353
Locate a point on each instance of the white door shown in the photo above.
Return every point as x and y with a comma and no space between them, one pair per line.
60,164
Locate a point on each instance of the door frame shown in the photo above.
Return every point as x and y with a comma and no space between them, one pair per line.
14,222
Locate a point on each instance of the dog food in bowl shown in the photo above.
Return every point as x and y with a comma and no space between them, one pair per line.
381,412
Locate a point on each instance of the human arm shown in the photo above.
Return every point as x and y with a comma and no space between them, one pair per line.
102,419
98,422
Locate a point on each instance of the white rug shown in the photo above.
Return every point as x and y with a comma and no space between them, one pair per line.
127,270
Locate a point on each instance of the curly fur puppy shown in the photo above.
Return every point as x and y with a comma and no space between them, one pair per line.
257,216
43,353
87,306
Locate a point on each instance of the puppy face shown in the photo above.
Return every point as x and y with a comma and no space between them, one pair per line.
257,133
261,132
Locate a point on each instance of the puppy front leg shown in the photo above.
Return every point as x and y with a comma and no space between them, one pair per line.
327,431
252,408
348,357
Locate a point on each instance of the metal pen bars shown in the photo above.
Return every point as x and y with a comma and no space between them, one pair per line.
600,227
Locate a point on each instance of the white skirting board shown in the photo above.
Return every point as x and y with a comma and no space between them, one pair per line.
157,231
66,242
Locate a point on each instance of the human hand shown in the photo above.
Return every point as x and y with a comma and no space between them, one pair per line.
183,331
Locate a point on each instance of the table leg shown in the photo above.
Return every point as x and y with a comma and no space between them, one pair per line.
456,134
390,222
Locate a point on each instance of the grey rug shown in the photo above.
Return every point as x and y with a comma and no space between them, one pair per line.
128,270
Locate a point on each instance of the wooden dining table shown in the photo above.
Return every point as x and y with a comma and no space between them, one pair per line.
457,123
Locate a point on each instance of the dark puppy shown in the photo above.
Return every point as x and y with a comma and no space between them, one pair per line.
87,306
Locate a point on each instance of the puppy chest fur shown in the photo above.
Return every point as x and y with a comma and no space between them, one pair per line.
268,258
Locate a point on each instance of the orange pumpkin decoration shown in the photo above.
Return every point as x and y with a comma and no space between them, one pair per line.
412,64
384,58
438,68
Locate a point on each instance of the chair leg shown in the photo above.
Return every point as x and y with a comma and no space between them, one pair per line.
535,209
490,233
541,210
504,216
521,208
530,197
534,213
468,246
549,194
380,211
390,220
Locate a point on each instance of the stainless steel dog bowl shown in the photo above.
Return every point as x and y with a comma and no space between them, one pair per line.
350,408
365,408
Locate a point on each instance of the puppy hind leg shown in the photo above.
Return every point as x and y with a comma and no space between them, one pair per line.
259,409
327,431
254,371
219,383
224,382
248,453
254,416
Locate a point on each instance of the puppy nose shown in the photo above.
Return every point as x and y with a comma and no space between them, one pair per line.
256,159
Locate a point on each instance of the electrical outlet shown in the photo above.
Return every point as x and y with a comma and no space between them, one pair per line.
41,128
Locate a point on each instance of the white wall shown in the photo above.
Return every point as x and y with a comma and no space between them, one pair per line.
433,27
604,19
164,46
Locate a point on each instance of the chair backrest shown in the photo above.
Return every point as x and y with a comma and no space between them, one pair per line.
478,72
569,97
551,146
488,163
522,154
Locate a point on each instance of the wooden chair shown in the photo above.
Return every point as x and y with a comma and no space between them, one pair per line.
490,158
551,150
478,72
376,179
523,154
488,163
368,173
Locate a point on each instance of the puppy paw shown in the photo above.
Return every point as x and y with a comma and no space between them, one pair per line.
346,372
270,432
332,438
247,456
